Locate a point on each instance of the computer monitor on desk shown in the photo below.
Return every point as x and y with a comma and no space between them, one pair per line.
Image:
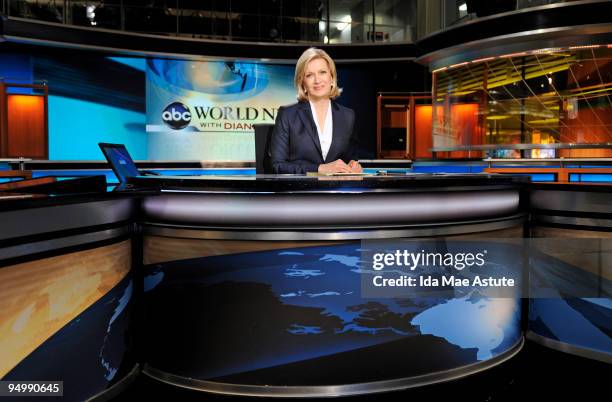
121,162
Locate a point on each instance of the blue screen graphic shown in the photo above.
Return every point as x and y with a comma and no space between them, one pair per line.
122,163
76,126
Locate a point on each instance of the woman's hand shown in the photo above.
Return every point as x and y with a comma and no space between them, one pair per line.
355,167
337,166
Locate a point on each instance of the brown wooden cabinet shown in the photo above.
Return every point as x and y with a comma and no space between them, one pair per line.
403,129
23,121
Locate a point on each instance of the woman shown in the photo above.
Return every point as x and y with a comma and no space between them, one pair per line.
315,134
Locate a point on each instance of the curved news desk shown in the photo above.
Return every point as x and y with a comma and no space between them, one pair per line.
570,301
252,284
66,290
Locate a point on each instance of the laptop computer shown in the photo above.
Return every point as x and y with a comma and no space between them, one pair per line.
121,162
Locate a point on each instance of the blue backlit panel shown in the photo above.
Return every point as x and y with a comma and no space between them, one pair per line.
76,126
590,178
271,317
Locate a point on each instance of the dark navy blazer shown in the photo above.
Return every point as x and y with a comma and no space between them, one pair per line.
295,146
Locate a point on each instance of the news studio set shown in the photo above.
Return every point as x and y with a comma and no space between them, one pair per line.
304,199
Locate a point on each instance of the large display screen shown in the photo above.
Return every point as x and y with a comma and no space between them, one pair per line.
205,110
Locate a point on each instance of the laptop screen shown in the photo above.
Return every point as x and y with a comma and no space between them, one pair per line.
120,160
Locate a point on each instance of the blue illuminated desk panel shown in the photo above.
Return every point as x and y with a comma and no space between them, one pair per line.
253,284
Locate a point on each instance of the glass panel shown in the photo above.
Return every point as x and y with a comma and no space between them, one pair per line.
300,21
395,20
340,30
270,28
149,19
103,16
246,27
221,23
48,11
346,20
52,11
245,6
270,7
323,23
543,97
292,21
83,13
195,23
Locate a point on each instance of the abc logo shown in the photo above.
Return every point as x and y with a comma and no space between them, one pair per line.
176,115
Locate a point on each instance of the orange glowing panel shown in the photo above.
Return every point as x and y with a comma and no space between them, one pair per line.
462,128
587,126
422,129
26,122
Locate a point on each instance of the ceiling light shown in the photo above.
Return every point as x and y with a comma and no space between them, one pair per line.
90,12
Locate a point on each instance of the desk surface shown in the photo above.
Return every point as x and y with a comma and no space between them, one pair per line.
300,183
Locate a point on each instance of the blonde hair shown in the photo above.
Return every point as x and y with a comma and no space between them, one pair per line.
300,70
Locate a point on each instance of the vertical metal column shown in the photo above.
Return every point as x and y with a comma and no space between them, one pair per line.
523,138
122,15
228,15
434,108
373,20
327,21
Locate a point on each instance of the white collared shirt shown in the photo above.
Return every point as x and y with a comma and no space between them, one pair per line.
325,135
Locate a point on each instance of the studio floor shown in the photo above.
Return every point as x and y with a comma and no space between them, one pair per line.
535,372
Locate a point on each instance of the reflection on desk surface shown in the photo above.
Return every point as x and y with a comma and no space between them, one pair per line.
17,196
298,183
357,176
12,185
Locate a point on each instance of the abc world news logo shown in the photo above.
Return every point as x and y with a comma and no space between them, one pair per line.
176,115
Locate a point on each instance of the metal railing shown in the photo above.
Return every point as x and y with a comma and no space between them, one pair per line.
490,148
